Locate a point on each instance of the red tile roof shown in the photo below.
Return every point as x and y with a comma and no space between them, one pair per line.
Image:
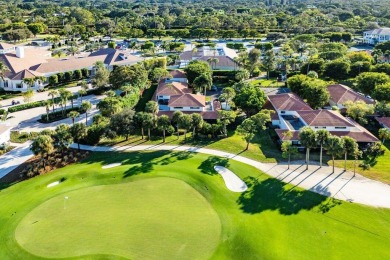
268,105
26,74
178,74
324,118
172,88
187,100
340,94
288,102
385,121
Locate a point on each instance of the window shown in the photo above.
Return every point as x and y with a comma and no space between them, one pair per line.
341,127
320,127
282,112
178,107
194,107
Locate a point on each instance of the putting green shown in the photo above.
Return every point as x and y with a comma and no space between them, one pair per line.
126,220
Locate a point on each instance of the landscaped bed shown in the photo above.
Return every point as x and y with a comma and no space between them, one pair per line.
174,205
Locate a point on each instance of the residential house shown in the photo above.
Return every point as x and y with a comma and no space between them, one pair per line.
5,134
173,94
32,62
384,122
340,94
219,58
376,36
292,113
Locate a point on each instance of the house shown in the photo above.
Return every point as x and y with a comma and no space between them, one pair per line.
384,122
30,62
219,58
173,94
5,134
340,94
292,113
376,36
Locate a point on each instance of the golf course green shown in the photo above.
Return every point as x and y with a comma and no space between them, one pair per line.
173,205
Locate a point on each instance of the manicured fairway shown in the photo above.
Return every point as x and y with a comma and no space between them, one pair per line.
271,220
133,219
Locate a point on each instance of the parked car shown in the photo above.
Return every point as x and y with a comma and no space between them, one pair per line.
214,88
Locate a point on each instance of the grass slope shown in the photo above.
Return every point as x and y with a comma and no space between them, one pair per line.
271,220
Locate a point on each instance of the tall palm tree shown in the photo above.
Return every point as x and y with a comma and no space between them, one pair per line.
53,93
322,136
81,93
163,122
86,106
151,107
307,137
48,104
73,115
350,147
334,147
42,145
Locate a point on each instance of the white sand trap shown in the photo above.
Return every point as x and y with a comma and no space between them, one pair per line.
232,181
111,165
53,184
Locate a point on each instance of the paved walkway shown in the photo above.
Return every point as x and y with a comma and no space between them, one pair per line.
14,158
340,185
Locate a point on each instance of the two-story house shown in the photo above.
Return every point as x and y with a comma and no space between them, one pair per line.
376,36
173,94
38,64
292,113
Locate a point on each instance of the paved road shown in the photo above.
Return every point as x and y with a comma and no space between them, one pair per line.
14,158
38,96
340,185
27,120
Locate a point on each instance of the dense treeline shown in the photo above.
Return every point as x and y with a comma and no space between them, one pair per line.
231,18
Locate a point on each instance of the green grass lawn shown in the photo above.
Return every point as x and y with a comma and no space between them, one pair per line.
123,211
267,83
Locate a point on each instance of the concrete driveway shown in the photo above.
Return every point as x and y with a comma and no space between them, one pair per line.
14,158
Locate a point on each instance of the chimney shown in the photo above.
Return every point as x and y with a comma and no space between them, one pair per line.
20,52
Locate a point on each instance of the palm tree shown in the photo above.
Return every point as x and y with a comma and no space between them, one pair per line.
334,147
185,123
48,104
149,121
78,131
42,145
204,81
81,93
163,122
84,85
287,147
73,115
65,95
86,106
53,93
350,147
196,122
139,118
151,107
384,134
63,138
175,120
307,137
321,136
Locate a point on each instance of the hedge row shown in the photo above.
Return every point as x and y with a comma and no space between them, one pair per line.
59,115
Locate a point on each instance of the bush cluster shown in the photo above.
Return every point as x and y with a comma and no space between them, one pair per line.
59,115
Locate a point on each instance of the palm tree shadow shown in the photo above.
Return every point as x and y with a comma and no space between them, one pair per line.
271,194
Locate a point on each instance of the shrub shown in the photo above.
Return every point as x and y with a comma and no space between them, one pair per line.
26,106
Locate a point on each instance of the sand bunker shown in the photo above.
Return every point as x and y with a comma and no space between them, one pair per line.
232,181
53,184
111,165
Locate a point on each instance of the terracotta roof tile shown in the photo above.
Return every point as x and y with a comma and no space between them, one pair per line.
178,74
324,118
187,100
340,94
288,102
26,74
172,88
385,121
4,45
